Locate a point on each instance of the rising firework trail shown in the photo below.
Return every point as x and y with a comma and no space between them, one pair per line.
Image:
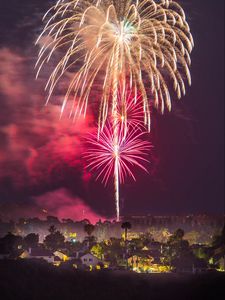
112,44
117,151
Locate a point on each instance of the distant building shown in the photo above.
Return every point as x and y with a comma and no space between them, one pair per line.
90,260
38,253
221,264
57,261
62,255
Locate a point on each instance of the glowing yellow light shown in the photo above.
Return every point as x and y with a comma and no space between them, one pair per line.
56,264
65,258
72,234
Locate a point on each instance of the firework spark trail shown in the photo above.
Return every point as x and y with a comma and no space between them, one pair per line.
101,154
116,131
130,112
125,116
112,43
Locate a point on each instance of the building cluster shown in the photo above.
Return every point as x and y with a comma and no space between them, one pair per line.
141,244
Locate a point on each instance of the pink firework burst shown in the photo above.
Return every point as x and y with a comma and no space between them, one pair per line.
103,153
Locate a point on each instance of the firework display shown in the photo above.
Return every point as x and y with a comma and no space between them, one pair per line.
140,46
106,156
129,151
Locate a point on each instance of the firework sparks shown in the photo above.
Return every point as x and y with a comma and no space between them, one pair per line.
112,42
130,112
107,157
103,153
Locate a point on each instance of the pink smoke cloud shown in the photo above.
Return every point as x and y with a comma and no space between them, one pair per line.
36,139
12,64
62,204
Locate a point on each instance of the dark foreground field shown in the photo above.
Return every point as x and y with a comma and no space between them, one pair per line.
23,280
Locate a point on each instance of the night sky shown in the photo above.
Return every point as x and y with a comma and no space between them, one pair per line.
41,165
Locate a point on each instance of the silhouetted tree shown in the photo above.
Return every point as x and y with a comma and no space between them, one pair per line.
52,219
11,242
126,226
31,240
218,248
114,250
52,229
177,249
55,240
177,236
89,229
219,240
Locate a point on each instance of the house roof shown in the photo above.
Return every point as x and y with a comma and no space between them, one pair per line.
77,254
40,252
63,252
89,254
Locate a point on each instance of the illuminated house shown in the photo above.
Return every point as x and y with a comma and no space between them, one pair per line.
146,264
221,264
90,260
139,261
38,253
148,261
63,256
57,261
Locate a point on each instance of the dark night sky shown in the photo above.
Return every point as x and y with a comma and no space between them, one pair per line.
40,156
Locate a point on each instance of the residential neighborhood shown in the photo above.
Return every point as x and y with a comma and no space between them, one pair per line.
138,253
